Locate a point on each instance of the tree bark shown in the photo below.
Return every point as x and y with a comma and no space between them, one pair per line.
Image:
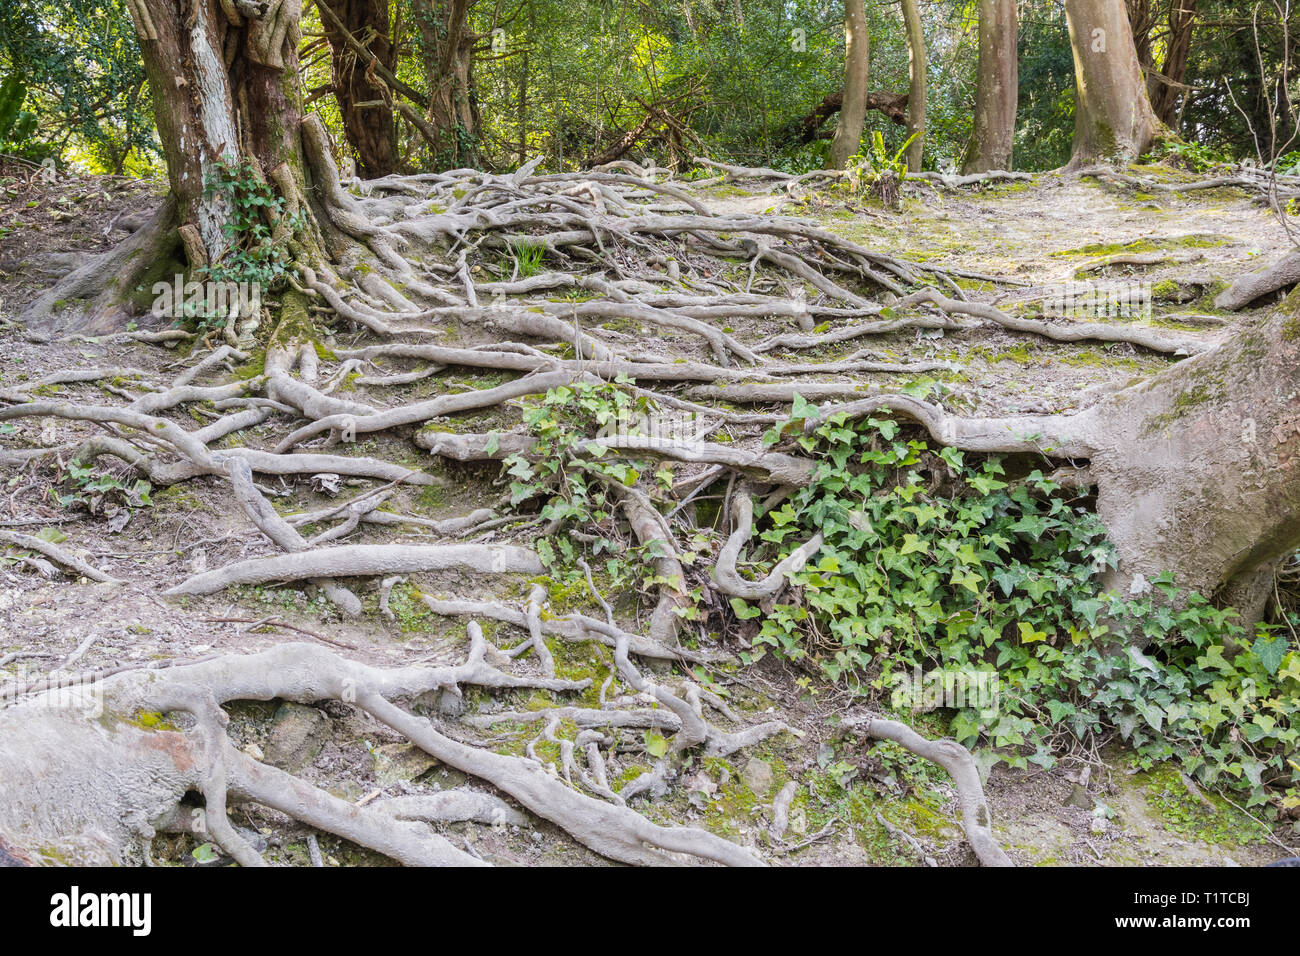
1166,86
1141,22
1201,474
916,86
996,90
370,132
226,93
857,71
225,90
1113,115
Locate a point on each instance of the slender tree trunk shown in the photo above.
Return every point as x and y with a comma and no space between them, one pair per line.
857,71
997,92
1141,22
369,131
447,51
916,88
1113,114
1166,87
523,109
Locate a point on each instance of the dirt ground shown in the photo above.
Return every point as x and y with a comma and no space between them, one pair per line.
1041,233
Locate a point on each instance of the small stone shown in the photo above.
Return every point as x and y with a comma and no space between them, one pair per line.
451,704
757,775
394,762
1079,797
297,735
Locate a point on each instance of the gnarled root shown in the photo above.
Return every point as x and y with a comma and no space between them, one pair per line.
957,760
1247,288
84,774
724,572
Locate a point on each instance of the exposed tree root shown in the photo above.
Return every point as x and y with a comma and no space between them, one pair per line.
956,759
105,282
365,559
724,572
56,553
1158,340
165,764
1254,285
634,272
948,181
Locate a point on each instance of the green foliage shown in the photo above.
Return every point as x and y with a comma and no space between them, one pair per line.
255,253
12,93
1192,156
74,85
1046,98
931,561
877,173
1288,164
570,472
92,489
252,255
529,256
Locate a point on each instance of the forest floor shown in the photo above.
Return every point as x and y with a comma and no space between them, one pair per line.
1042,233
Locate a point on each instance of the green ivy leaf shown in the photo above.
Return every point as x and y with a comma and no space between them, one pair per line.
1271,649
655,744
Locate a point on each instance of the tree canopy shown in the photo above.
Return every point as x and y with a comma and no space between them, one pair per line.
576,80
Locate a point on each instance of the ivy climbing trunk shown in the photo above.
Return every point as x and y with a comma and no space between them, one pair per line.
447,53
857,70
1113,115
996,91
225,89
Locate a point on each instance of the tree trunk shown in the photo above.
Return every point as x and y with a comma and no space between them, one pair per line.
1166,86
1113,115
369,131
447,51
1141,22
523,109
1201,471
857,69
224,88
996,90
226,94
916,87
